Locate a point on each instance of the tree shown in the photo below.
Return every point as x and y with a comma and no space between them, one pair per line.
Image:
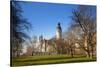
85,18
30,49
71,40
18,28
59,46
34,44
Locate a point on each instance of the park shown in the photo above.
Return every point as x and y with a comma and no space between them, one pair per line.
51,33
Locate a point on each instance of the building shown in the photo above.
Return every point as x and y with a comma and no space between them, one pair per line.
47,46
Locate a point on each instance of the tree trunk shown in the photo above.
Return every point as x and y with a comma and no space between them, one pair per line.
71,52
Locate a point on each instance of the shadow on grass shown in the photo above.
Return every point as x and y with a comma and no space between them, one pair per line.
51,60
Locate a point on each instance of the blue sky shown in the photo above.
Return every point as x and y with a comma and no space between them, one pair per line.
44,17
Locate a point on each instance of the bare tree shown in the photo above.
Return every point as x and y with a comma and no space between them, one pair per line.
33,44
61,46
85,18
71,40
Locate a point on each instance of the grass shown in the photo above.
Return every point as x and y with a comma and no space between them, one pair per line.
50,59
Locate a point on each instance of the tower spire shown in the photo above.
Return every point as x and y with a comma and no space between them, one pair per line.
58,32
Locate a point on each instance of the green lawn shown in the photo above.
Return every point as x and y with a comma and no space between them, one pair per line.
50,59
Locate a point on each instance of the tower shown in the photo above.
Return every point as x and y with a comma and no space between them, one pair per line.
58,32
